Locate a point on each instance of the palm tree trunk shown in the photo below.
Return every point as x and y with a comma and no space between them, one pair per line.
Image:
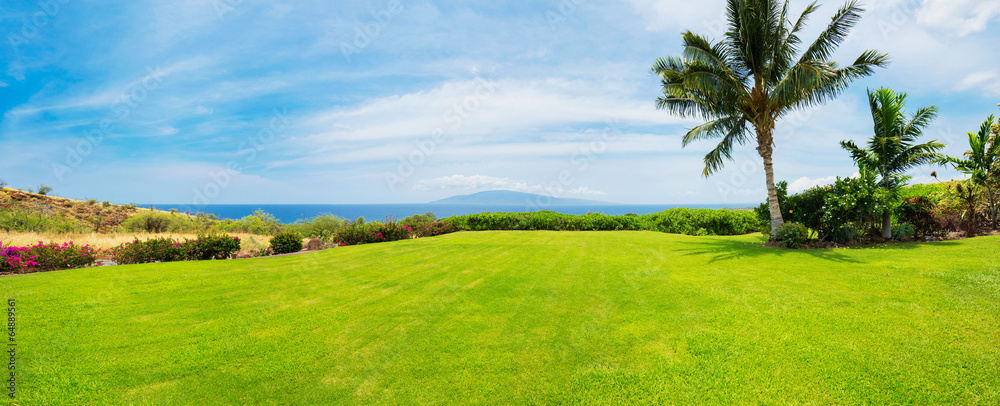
993,206
772,194
887,224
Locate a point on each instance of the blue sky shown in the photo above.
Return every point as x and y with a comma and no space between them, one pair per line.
227,101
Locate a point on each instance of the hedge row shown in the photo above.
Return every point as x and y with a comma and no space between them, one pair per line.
675,221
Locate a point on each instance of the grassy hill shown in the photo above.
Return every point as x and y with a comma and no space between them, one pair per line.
522,318
35,211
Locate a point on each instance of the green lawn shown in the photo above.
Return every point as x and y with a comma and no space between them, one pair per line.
522,318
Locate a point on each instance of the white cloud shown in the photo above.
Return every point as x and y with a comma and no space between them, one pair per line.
804,183
986,81
475,107
703,17
3,84
481,183
962,17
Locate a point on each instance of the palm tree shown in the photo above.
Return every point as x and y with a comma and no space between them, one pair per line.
752,78
891,151
982,161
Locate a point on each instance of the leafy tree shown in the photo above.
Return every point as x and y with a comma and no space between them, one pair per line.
982,161
893,150
44,190
752,78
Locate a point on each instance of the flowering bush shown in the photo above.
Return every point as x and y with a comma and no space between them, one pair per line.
432,229
387,230
168,250
45,257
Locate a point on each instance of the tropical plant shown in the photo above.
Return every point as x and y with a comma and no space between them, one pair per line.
893,150
982,162
752,78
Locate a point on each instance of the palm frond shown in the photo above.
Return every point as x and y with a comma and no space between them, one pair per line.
835,33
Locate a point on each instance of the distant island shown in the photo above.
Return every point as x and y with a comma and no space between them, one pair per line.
507,197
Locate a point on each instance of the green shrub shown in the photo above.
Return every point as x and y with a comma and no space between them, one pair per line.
677,221
260,223
426,218
286,243
324,227
919,212
904,231
152,222
852,203
792,235
212,246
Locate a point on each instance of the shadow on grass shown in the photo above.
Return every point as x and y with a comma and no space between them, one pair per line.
724,250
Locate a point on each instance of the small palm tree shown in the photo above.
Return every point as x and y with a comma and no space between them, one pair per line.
982,161
891,151
752,77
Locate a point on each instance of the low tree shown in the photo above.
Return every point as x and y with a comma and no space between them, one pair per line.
893,151
44,190
982,162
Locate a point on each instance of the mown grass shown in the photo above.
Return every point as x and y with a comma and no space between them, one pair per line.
522,318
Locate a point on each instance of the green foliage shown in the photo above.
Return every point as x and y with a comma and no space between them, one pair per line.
212,246
792,235
324,226
35,218
426,218
260,222
44,190
160,222
904,231
286,243
841,212
432,229
851,208
676,221
919,213
893,149
982,162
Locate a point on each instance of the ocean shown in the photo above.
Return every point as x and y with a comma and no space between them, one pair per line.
289,213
